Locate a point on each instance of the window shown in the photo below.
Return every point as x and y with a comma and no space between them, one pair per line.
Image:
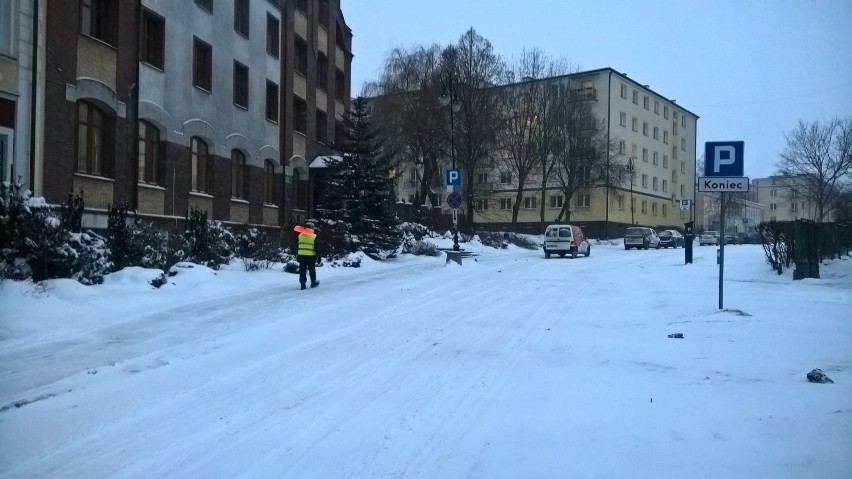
241,85
322,72
624,91
241,17
683,121
773,193
644,207
482,179
238,167
300,115
622,119
556,201
323,13
682,190
656,107
8,31
202,65
269,182
645,128
665,210
644,180
794,207
665,137
674,128
620,201
301,56
505,178
683,144
273,36
153,38
665,186
656,133
674,176
654,208
683,167
635,124
584,201
205,4
481,204
302,5
646,103
505,203
645,155
635,97
656,157
90,139
339,85
654,182
674,152
271,101
149,145
411,182
322,126
622,146
339,136
529,202
665,161
633,150
773,206
666,112
200,164
95,19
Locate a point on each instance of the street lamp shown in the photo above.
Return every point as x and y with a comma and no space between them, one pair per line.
449,98
631,168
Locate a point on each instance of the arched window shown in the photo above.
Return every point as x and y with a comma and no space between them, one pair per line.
149,145
238,167
90,139
268,182
200,165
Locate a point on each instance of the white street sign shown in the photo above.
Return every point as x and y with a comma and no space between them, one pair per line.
710,184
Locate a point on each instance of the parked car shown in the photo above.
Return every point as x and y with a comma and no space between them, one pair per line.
730,239
640,237
708,238
565,239
671,238
748,238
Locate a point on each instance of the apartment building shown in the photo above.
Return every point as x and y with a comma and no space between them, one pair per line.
19,128
742,215
653,133
784,198
218,105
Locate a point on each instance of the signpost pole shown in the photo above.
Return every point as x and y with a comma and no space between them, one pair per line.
722,253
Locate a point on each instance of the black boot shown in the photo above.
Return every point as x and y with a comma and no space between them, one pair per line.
303,286
314,284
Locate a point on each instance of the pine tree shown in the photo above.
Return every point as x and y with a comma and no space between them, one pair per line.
358,203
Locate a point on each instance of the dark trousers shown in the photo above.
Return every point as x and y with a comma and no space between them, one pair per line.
307,264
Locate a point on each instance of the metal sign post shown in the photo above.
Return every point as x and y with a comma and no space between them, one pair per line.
722,254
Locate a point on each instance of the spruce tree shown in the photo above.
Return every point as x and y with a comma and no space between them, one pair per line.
358,203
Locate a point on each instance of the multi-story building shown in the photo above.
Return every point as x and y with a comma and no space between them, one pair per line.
784,198
172,105
19,25
652,133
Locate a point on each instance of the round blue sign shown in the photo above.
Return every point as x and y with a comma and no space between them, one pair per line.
454,199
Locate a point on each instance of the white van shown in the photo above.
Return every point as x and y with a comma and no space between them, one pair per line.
565,239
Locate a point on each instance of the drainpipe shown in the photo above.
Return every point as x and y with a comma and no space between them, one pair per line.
33,97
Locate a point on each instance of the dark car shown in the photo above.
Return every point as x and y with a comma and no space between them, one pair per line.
671,239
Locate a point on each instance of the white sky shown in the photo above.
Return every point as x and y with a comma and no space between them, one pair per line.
508,366
750,69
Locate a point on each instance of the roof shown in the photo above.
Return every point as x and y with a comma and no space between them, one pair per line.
322,161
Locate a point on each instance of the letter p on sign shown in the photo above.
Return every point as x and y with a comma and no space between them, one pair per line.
723,158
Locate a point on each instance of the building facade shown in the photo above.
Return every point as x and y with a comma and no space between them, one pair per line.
173,105
652,133
741,216
784,198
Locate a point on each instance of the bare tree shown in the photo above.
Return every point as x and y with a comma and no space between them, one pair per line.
473,68
816,160
406,99
584,156
528,101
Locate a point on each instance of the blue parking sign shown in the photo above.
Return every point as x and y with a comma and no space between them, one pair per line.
724,158
453,177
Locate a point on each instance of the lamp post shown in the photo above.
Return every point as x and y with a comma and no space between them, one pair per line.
448,98
632,170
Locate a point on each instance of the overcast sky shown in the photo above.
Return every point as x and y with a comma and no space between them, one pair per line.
749,69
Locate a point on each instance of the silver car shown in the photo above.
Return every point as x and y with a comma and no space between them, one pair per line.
708,238
640,237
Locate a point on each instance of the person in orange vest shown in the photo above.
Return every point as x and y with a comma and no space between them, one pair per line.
307,254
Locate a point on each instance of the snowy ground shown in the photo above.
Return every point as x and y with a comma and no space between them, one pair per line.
509,366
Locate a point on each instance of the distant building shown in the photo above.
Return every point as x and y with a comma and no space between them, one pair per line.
654,132
171,105
785,198
742,215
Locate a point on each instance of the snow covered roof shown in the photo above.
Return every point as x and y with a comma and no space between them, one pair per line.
322,161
